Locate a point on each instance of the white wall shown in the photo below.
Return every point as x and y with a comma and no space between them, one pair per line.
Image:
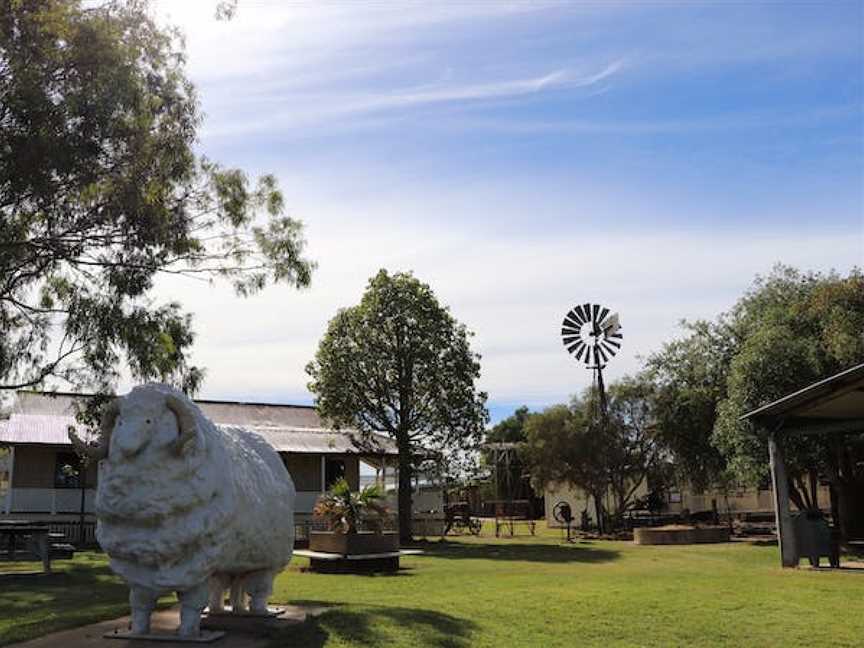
50,500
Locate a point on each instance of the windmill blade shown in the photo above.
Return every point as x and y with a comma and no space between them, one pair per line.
569,330
572,347
602,316
596,309
602,353
570,339
576,316
609,349
578,310
587,309
580,351
576,347
569,320
613,343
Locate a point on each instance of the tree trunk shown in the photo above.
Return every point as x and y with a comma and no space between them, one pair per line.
845,510
405,494
598,512
814,489
82,513
841,477
795,495
835,508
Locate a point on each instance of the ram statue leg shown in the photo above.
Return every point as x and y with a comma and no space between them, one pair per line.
142,600
238,596
259,586
218,584
192,603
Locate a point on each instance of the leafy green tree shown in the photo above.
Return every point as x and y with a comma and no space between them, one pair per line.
573,445
565,447
688,378
399,363
795,329
634,456
102,191
511,429
789,330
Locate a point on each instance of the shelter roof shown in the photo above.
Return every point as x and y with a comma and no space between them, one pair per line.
833,404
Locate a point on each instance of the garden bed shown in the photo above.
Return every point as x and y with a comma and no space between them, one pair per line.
680,534
362,542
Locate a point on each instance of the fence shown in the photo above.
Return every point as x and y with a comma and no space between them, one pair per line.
72,533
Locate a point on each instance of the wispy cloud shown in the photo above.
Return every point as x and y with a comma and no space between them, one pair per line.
494,90
322,108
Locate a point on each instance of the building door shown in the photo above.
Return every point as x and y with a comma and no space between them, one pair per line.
334,470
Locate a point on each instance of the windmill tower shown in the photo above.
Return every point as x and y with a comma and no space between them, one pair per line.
592,335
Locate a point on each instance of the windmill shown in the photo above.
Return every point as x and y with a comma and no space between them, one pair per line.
592,335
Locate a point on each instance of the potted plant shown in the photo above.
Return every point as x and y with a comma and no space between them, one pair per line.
345,512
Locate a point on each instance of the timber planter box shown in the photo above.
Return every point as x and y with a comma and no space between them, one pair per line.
680,535
347,544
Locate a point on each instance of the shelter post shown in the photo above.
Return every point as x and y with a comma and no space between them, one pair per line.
785,530
11,474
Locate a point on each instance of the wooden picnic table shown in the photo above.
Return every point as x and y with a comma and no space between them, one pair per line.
37,532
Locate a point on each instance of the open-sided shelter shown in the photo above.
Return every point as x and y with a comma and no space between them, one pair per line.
834,406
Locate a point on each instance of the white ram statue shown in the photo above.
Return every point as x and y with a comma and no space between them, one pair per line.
185,506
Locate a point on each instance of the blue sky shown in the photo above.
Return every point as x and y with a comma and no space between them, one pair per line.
522,157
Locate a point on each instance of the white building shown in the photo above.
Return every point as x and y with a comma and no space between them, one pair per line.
39,477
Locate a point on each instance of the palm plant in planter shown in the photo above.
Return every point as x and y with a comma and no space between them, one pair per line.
343,511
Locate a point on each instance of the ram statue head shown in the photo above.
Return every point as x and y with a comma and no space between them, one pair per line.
145,418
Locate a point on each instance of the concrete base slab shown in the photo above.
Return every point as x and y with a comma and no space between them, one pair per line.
206,636
164,623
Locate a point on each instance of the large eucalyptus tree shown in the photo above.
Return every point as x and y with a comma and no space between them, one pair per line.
102,190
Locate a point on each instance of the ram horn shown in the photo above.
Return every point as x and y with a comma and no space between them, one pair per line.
185,421
106,426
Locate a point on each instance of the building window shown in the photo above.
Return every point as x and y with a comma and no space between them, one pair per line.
334,470
67,470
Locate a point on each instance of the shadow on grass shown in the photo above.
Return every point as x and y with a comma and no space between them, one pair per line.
372,625
77,593
525,552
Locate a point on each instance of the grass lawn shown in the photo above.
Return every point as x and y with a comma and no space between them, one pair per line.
518,592
80,592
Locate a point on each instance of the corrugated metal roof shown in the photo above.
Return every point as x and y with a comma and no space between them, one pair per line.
45,419
37,428
28,402
837,397
323,441
223,412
